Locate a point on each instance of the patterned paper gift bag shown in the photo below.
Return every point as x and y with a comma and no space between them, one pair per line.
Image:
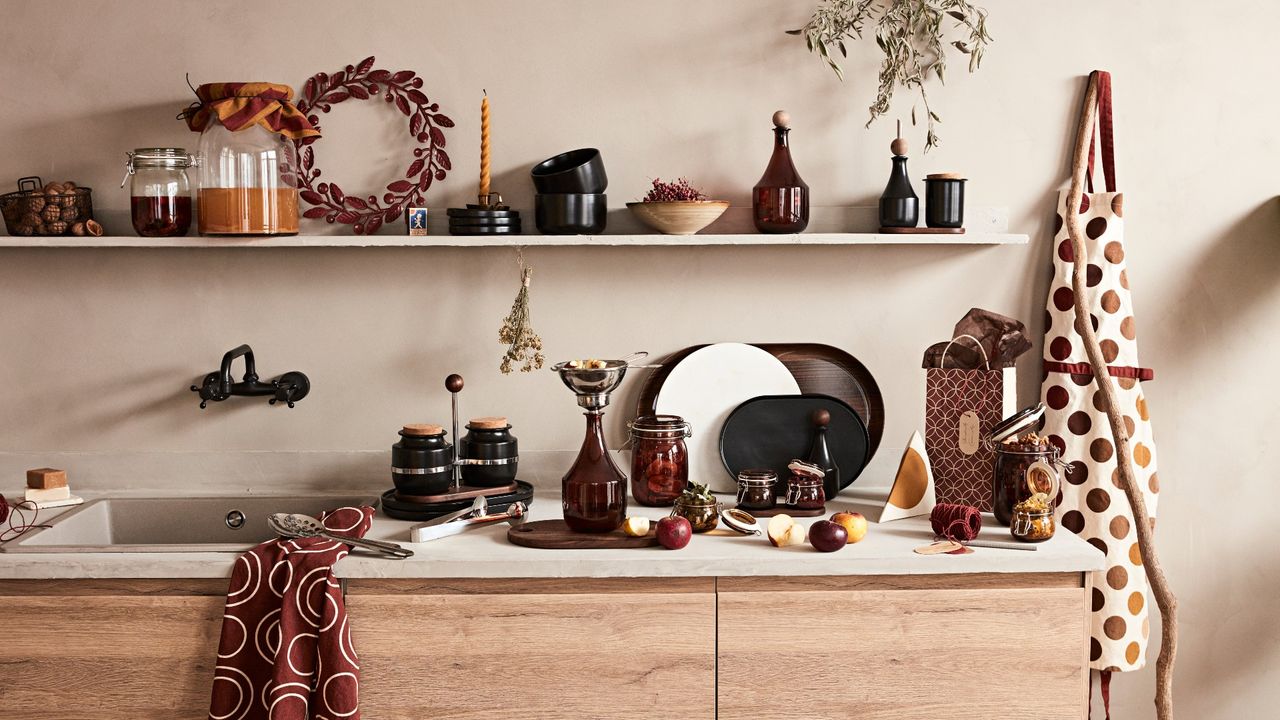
1093,505
960,408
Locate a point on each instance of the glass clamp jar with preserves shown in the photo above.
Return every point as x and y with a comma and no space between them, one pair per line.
757,489
804,488
1025,463
659,459
248,163
697,505
159,191
1033,518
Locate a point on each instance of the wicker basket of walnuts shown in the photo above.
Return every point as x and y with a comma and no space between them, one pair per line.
55,208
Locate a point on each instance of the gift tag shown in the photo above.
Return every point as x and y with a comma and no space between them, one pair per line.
948,547
970,432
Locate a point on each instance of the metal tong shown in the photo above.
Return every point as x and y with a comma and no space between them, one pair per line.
474,516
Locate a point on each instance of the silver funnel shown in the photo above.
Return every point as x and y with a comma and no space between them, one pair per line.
593,385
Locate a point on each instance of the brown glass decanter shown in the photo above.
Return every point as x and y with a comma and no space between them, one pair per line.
780,201
594,491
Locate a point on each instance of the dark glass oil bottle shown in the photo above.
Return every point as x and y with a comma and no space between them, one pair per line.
820,454
899,206
780,201
594,491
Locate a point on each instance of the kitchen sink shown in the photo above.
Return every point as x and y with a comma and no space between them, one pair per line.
172,524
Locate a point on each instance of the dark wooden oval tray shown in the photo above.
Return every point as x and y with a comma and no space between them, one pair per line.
555,535
818,369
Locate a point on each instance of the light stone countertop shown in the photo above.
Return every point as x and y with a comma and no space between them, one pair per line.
485,553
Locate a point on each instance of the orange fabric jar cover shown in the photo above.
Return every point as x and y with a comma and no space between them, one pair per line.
239,105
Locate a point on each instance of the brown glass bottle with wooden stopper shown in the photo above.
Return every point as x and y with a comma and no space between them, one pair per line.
780,201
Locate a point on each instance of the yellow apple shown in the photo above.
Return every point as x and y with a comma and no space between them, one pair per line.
854,523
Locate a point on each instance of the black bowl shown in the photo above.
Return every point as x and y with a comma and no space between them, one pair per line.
576,171
571,213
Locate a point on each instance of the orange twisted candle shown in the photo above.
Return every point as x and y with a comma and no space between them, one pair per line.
484,145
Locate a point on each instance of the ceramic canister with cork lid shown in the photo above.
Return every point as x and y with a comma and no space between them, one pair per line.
489,454
422,461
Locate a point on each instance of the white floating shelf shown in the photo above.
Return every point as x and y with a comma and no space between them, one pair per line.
828,225
298,241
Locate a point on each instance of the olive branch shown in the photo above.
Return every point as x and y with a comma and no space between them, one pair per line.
910,33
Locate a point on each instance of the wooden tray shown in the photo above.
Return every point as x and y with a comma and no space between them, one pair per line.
555,535
922,231
783,509
464,492
820,369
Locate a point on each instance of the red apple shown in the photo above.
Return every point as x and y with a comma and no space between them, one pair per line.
674,532
827,536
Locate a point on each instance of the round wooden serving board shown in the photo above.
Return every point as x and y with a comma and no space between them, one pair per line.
555,535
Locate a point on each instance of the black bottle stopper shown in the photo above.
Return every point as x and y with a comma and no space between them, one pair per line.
899,206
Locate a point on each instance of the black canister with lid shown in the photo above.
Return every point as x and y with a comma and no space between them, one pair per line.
489,453
422,462
944,200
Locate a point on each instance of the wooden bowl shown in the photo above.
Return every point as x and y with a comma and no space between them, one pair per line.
678,218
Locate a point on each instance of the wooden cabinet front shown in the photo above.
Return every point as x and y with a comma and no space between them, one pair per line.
535,648
901,648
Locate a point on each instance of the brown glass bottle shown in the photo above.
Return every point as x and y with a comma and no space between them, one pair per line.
780,201
594,491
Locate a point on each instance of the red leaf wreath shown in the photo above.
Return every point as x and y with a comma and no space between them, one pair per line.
362,82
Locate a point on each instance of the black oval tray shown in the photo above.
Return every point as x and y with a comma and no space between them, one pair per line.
401,510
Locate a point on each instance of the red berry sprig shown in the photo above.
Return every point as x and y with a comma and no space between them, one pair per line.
678,191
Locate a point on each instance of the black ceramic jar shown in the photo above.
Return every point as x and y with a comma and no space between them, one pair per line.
944,201
422,462
489,453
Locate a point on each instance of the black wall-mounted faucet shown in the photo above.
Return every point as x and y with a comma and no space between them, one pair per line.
289,388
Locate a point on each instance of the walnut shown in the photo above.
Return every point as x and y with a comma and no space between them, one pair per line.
68,200
31,219
55,228
69,186
51,213
94,228
53,188
77,228
35,202
25,230
70,213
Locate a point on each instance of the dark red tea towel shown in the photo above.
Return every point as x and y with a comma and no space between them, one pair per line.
285,652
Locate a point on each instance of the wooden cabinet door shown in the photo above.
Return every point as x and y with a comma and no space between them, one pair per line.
902,648
592,649
111,649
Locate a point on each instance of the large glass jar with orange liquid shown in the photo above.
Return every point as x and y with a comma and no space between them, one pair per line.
248,182
247,157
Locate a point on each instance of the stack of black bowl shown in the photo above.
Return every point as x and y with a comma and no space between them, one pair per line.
571,199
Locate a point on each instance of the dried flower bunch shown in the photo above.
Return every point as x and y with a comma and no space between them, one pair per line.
678,191
910,33
524,347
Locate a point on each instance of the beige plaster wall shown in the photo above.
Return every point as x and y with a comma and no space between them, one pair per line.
97,347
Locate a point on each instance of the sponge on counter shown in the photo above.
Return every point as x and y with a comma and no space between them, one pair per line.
46,479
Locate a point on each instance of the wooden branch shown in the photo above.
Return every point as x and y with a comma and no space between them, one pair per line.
1102,379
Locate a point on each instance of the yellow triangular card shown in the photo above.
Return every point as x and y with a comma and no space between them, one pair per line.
912,492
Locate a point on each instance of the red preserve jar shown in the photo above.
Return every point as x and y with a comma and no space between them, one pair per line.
659,459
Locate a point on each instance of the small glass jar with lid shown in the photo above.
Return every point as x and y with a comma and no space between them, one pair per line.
1025,463
659,459
159,191
757,489
1031,524
804,488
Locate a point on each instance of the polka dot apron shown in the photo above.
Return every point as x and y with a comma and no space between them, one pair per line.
1093,504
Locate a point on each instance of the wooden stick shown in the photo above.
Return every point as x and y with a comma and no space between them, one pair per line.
1102,379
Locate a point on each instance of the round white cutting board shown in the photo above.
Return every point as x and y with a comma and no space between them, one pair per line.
706,386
